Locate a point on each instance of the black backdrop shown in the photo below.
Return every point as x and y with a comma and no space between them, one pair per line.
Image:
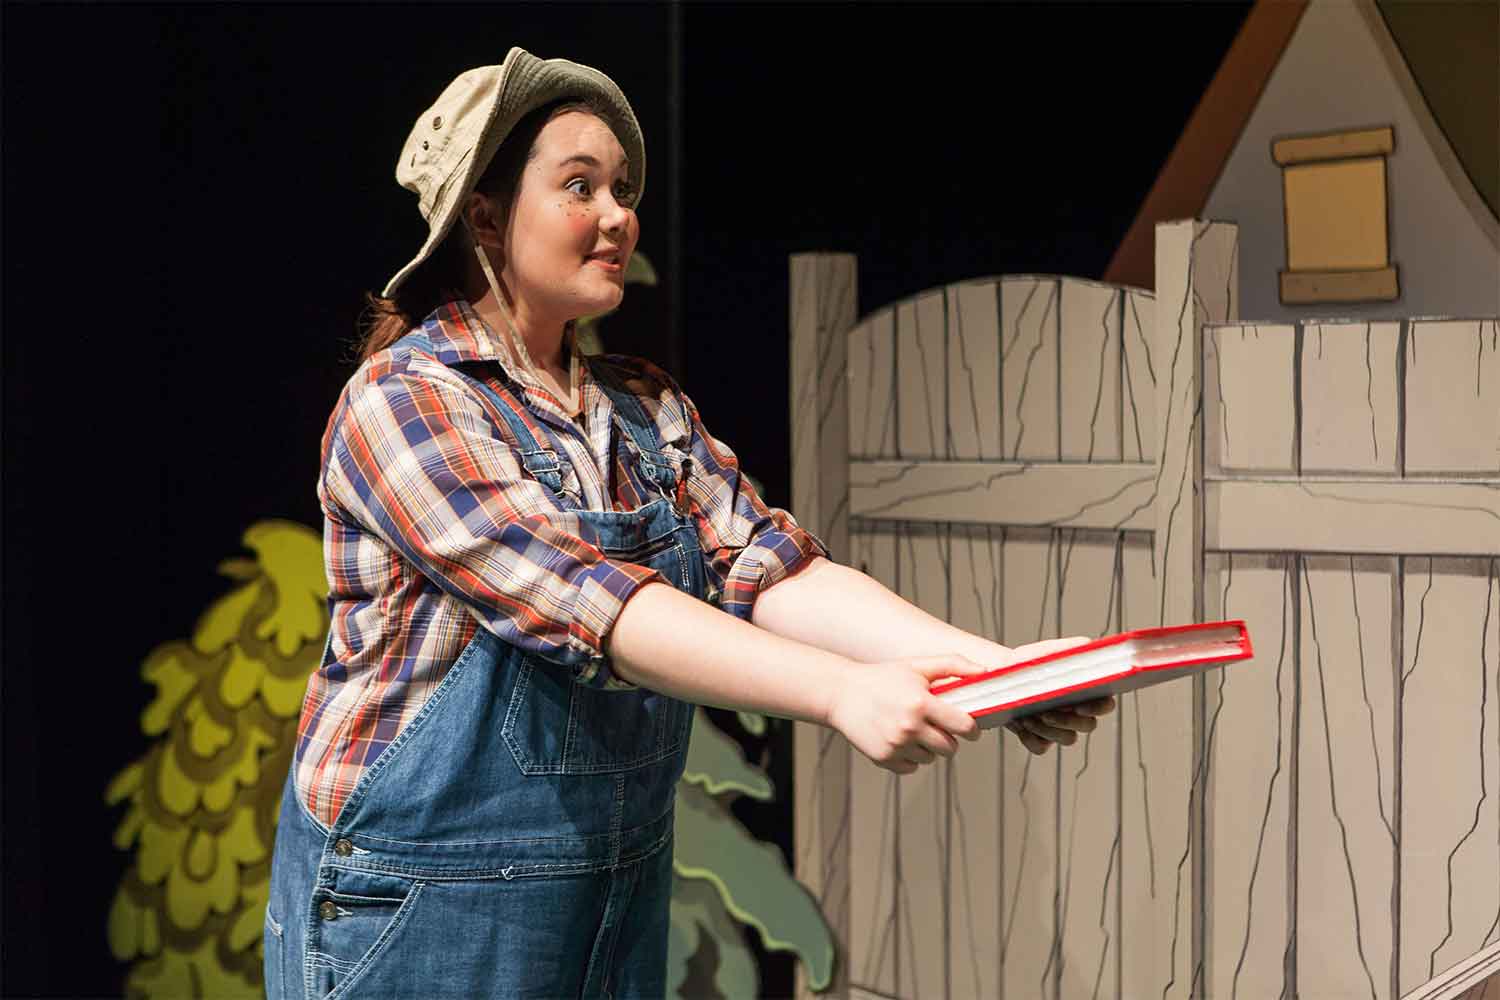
196,197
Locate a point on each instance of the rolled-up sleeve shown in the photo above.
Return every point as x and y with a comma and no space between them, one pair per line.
747,545
418,462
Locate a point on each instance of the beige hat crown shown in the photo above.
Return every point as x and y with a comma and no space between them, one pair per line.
454,140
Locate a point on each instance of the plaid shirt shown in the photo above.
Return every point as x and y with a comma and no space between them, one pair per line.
432,529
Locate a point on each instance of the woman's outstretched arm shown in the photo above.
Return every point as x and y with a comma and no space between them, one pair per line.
672,642
842,610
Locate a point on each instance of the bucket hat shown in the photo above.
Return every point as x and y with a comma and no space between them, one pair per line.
454,140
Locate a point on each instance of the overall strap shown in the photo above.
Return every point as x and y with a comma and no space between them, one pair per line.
655,467
541,462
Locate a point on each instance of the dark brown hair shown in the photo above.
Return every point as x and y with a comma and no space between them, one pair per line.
440,277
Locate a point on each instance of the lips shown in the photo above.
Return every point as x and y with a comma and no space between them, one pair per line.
609,261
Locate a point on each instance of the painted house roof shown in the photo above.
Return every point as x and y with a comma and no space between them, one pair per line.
1448,51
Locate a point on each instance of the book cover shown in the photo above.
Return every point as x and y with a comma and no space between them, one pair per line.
1108,666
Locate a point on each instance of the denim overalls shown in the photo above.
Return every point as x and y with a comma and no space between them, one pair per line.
515,839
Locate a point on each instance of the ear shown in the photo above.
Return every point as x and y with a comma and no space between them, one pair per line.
481,213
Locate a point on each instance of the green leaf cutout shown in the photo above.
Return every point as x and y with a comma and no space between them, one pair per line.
754,724
715,763
698,910
753,881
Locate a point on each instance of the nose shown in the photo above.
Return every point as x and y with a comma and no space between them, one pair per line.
615,221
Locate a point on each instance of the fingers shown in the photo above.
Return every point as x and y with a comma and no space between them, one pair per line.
1101,706
1041,726
954,720
1029,740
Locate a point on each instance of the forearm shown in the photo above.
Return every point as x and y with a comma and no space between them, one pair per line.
674,643
846,612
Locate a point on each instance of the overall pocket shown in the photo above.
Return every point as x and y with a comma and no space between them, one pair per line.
354,922
556,726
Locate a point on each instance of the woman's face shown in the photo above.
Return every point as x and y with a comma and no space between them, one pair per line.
573,205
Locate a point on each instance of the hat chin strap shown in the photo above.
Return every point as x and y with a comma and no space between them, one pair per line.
518,342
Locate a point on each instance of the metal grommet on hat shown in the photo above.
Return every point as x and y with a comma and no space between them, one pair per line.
475,113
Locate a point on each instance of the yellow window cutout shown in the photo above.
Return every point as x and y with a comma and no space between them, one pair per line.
1337,242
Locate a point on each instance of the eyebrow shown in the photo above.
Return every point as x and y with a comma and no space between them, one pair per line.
591,161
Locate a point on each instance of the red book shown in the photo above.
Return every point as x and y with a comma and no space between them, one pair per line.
1108,666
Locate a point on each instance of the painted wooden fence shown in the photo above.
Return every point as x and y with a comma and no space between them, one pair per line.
1030,457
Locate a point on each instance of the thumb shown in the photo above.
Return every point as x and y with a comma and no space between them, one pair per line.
934,668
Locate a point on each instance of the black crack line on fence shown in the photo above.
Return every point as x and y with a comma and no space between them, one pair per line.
974,581
1364,688
1026,374
873,957
1478,360
815,789
1219,374
1198,967
1099,389
865,429
826,344
963,852
1484,711
1490,588
1234,253
1140,763
1166,548
927,399
1114,851
1020,316
1265,818
1015,897
1416,653
1458,508
896,477
1333,798
1052,543
1370,390
984,484
1145,344
968,374
1166,435
895,408
1196,786
1135,415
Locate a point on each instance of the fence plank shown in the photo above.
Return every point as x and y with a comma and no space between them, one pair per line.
974,370
974,906
922,857
1029,833
1138,382
872,386
1346,774
1249,399
1363,517
822,309
921,377
1450,763
871,947
1073,494
1252,747
1090,382
1350,409
1088,837
1453,381
1028,367
1155,770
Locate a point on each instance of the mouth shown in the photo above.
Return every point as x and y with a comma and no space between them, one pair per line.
609,260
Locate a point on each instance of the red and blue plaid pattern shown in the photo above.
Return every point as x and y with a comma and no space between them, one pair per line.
432,529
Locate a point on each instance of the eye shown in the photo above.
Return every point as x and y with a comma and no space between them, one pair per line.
625,194
578,180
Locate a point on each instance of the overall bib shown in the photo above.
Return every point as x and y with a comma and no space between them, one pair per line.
515,839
